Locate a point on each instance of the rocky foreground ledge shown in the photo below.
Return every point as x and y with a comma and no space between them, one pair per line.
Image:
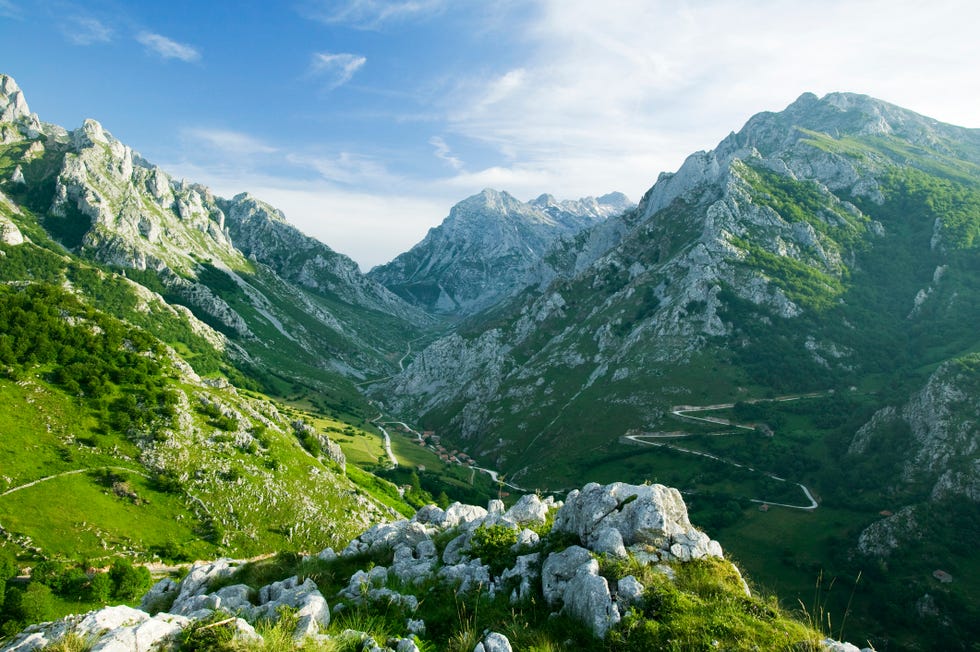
539,549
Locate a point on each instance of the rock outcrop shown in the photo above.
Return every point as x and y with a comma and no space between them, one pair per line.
651,519
484,250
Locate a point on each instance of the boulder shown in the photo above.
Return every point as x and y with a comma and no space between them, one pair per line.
430,515
493,642
312,610
629,591
161,596
587,599
234,598
559,568
525,571
468,516
413,566
644,515
529,510
610,542
467,576
148,635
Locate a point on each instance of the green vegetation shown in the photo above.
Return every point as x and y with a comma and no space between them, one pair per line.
705,606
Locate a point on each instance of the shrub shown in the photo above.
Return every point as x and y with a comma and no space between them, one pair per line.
493,546
36,603
100,588
128,581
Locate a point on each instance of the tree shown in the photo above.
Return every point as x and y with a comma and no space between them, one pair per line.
128,582
36,603
100,588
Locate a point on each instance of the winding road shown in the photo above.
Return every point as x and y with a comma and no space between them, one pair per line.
391,455
684,412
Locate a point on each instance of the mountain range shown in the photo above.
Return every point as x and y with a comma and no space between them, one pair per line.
787,321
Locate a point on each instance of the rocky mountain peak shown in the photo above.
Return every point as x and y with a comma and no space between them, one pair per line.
484,250
488,204
13,105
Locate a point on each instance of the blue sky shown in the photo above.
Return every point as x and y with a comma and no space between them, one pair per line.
365,121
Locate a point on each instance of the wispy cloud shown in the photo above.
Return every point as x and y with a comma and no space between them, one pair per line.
85,30
370,14
226,141
347,168
443,152
604,97
168,48
9,10
336,68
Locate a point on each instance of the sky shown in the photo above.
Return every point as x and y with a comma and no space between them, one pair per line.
365,121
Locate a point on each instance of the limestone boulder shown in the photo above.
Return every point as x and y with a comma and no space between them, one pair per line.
559,568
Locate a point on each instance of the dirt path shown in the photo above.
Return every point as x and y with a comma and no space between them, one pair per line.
75,472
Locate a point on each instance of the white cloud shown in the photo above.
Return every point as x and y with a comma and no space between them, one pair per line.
372,228
370,14
337,68
443,152
225,141
347,168
168,48
614,93
85,30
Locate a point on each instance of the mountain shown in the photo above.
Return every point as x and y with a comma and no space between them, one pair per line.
483,251
825,254
784,329
235,263
139,318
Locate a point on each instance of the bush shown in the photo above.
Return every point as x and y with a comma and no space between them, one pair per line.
128,581
100,588
36,603
493,547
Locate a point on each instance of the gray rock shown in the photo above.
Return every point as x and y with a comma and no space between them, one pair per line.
652,515
414,565
9,233
468,576
587,598
831,645
529,510
161,596
201,575
629,591
457,548
234,598
469,516
609,541
406,645
430,515
526,539
525,571
196,604
148,635
311,607
493,642
559,568
388,535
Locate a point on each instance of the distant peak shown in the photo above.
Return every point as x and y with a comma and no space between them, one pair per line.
615,199
13,105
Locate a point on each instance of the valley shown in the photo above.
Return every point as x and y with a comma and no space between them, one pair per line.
783,330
